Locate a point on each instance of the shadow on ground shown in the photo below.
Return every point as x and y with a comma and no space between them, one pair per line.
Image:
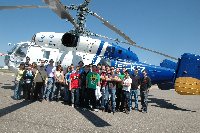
13,108
93,118
162,103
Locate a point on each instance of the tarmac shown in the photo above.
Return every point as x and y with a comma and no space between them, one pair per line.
167,112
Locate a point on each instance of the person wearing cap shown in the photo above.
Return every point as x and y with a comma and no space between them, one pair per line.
49,90
19,81
134,89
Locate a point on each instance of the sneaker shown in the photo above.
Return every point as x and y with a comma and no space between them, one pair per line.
73,105
84,109
96,110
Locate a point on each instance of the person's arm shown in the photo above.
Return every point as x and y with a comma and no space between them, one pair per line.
98,83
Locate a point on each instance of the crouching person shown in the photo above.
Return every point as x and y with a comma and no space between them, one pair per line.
144,90
74,87
40,82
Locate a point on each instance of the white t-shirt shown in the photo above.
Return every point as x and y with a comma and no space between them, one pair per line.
127,81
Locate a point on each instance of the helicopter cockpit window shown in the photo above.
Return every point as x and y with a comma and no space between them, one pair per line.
12,49
22,50
46,54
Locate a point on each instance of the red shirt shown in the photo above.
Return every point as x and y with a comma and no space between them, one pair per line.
74,79
103,82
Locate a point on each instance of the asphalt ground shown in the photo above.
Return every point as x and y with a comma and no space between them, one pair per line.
167,112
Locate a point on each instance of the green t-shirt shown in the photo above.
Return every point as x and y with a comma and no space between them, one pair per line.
121,76
93,79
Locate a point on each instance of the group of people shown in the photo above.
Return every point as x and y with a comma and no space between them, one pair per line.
88,87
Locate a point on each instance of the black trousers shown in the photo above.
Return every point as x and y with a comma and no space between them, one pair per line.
144,99
28,91
119,97
92,98
39,90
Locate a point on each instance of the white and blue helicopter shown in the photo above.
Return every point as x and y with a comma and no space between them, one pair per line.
78,45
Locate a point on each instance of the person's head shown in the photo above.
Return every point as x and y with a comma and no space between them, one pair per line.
136,71
123,69
77,69
107,68
94,68
112,70
103,68
58,68
42,62
27,59
86,68
59,63
80,64
51,61
29,67
117,70
34,65
72,67
22,66
126,73
144,72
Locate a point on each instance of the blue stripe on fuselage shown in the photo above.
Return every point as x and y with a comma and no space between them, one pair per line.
98,52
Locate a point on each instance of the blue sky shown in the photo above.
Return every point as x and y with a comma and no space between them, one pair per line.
168,26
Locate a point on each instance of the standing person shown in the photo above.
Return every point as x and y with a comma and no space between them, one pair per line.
145,84
27,62
134,89
28,77
126,92
103,82
81,64
92,81
50,69
83,90
111,79
59,81
40,81
74,87
119,89
19,84
67,97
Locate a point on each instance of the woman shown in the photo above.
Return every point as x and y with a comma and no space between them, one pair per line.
19,82
59,80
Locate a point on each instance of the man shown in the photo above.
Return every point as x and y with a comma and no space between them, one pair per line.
92,81
50,69
83,90
145,84
134,89
126,92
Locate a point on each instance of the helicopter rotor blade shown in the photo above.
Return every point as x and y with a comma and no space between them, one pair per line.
130,42
112,27
140,47
61,11
20,7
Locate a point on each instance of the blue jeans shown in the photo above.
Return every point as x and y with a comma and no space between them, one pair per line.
110,96
135,94
75,95
49,89
18,89
103,91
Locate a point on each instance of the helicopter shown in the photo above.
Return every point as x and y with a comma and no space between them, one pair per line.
77,45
